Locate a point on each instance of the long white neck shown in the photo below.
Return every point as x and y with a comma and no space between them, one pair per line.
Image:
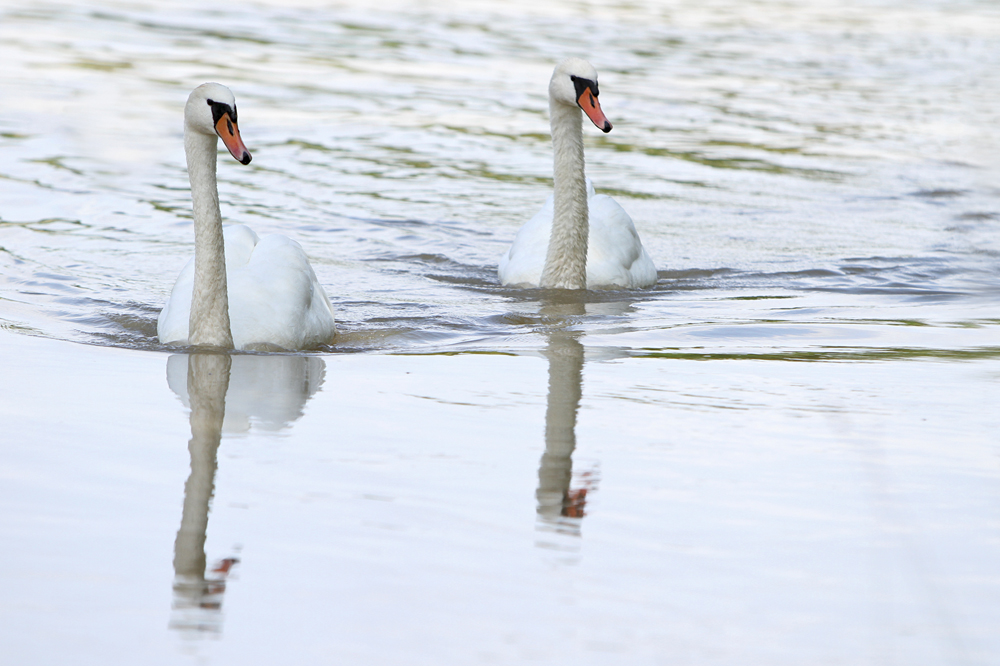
566,260
209,323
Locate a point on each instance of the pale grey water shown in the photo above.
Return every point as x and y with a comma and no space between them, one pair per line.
786,452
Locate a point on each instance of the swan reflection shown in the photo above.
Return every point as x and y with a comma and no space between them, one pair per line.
225,394
561,507
268,391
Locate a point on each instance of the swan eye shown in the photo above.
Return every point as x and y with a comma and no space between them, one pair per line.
220,109
582,85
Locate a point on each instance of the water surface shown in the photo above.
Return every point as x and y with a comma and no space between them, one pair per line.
784,452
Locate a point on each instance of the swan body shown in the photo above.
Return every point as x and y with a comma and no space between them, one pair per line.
239,291
616,258
274,296
579,239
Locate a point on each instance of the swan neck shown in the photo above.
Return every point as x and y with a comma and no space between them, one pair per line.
566,260
209,323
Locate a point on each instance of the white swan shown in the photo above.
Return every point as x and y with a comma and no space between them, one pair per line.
558,248
239,291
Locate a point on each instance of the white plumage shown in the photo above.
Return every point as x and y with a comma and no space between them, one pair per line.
274,296
615,255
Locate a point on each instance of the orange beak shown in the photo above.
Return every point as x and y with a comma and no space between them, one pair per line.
229,132
588,102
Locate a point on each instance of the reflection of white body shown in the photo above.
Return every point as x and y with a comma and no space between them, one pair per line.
224,392
268,391
579,239
241,292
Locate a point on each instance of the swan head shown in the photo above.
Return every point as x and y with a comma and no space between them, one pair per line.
574,83
211,110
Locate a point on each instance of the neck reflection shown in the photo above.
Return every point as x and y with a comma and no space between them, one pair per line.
560,507
197,603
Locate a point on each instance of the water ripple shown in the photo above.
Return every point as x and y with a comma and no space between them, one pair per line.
776,163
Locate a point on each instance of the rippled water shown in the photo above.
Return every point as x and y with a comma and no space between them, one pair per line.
816,182
843,159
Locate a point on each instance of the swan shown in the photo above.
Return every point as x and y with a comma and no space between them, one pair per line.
559,248
239,291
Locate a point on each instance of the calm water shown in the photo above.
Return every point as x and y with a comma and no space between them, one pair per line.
785,452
